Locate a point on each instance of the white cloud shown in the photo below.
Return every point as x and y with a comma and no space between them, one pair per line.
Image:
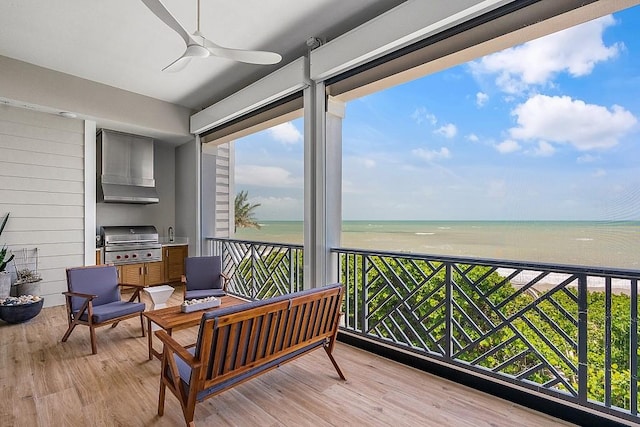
560,119
279,208
448,131
508,146
286,133
587,158
481,99
575,51
599,173
265,176
368,163
473,137
431,155
544,149
421,115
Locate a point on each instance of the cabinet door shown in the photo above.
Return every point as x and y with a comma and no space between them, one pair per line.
154,273
132,274
174,262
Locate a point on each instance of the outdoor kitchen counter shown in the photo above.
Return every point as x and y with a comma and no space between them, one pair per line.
178,241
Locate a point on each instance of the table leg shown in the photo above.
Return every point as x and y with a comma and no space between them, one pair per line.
150,333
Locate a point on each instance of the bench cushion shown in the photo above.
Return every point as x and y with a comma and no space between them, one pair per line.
224,311
185,371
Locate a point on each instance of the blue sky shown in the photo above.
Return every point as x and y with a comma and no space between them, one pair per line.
547,130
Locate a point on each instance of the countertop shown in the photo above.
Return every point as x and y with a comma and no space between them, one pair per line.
178,241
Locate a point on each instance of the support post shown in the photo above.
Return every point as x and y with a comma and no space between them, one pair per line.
323,184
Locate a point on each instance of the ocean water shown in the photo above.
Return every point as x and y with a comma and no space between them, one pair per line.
587,243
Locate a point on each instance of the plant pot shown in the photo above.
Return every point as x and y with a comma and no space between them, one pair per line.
5,284
31,288
20,313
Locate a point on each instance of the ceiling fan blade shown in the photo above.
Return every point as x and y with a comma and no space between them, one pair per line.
177,65
163,14
192,51
249,56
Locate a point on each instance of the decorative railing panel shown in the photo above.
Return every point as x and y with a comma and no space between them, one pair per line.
260,270
569,332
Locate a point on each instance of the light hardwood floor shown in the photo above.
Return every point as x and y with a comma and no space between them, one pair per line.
48,383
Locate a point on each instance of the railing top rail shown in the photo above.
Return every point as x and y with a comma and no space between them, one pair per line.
524,265
256,242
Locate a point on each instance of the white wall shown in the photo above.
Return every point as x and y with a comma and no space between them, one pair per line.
42,186
187,194
162,214
111,107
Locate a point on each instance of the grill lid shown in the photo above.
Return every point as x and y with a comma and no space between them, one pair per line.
113,235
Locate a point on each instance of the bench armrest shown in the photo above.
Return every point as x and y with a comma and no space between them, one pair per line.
176,348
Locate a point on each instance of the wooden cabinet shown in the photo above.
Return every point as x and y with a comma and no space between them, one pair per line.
147,274
154,273
174,262
170,269
132,274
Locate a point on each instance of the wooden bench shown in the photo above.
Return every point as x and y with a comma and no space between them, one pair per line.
238,343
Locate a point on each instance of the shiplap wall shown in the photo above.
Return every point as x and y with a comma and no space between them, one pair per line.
224,191
42,186
217,190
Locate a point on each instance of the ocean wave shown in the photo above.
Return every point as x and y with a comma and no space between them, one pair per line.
584,239
424,234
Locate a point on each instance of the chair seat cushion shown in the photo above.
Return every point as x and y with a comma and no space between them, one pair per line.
204,293
104,312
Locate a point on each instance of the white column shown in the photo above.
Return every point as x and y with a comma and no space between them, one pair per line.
322,184
89,192
333,184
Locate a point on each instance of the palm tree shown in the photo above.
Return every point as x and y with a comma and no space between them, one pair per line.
245,211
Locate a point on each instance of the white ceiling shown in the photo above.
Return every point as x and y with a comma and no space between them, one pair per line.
122,44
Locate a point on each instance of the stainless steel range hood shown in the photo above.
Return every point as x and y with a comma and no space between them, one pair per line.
124,168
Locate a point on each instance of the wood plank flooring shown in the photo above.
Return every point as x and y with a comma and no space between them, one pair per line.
44,382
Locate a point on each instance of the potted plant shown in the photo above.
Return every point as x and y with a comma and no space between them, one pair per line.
5,258
27,276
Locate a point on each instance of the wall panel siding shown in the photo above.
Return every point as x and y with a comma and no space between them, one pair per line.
42,186
224,199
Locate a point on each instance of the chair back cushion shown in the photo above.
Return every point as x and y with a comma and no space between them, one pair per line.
203,272
99,280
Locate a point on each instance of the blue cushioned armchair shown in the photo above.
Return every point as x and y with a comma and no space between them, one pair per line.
93,300
204,277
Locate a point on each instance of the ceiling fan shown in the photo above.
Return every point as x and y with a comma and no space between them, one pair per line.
200,47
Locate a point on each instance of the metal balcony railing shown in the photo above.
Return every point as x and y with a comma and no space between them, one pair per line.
259,270
567,332
564,331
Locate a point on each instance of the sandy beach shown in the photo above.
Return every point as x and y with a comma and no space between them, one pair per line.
594,284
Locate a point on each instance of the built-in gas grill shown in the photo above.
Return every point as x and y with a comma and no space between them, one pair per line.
128,245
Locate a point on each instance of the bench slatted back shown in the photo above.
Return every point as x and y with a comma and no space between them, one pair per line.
230,344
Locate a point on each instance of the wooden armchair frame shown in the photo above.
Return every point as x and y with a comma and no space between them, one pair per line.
198,264
75,319
225,282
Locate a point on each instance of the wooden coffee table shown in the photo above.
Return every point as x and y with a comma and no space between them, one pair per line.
171,318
